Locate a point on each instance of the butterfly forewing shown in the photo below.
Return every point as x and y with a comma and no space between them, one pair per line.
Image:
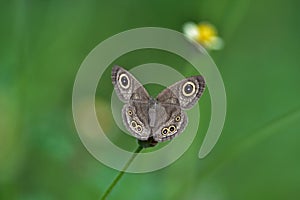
187,92
126,85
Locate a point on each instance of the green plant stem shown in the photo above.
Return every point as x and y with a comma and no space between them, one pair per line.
121,173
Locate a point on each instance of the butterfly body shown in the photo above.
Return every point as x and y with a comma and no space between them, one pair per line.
160,118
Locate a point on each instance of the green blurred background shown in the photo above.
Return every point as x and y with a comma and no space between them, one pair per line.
43,43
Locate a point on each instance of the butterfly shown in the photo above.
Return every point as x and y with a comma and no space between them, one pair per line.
156,119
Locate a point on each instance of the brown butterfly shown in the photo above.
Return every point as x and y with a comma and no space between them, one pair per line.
157,119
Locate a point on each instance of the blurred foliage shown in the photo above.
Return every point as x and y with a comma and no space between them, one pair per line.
42,46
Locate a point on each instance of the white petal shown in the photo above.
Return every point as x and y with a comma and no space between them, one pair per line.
216,43
190,30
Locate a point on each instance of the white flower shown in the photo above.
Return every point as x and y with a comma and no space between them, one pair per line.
204,34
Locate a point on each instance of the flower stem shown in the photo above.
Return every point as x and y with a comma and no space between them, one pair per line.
121,173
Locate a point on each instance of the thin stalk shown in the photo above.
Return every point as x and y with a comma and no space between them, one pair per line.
121,173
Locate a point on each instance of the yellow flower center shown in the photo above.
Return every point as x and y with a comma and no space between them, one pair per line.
207,32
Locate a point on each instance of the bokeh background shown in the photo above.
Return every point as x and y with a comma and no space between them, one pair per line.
43,43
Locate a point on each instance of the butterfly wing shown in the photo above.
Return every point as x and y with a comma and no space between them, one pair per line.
135,111
187,91
181,95
126,85
135,119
